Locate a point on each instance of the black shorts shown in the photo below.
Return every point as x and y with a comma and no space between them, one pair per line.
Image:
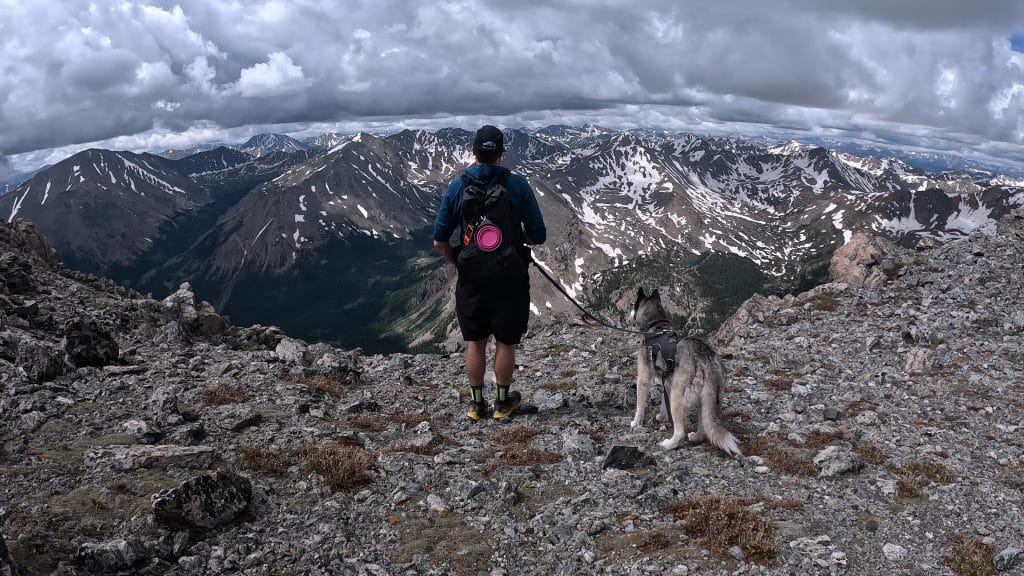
502,310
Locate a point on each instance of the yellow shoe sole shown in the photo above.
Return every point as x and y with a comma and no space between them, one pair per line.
507,412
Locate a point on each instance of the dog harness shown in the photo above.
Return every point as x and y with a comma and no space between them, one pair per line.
663,343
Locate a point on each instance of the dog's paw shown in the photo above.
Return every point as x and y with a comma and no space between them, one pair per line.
668,444
634,424
661,417
695,437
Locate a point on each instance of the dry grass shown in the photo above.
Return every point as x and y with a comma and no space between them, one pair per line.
970,556
369,422
222,393
408,420
818,439
930,471
264,460
652,540
721,522
853,409
1013,476
824,303
334,384
378,422
517,435
518,455
342,467
780,383
529,457
556,350
779,457
870,453
431,449
914,476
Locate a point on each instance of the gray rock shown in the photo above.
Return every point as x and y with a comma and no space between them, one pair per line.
125,458
835,461
546,400
831,414
88,344
626,457
109,557
894,552
362,406
857,262
163,406
1008,559
203,502
245,421
291,350
142,431
41,362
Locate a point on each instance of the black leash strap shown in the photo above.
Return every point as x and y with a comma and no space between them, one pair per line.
590,319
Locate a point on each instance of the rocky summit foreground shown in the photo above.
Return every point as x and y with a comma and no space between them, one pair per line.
880,415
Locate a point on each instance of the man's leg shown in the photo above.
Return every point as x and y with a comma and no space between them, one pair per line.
476,365
476,361
504,365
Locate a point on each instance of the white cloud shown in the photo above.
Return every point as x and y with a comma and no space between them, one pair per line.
135,67
278,76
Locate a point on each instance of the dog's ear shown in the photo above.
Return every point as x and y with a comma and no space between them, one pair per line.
640,293
655,294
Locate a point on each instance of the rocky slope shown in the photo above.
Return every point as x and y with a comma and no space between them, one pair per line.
880,415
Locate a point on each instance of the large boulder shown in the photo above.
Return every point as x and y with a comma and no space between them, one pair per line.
8,567
199,319
33,243
88,344
203,502
110,557
41,362
865,260
126,458
16,273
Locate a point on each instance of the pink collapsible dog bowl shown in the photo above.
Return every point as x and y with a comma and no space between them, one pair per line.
488,237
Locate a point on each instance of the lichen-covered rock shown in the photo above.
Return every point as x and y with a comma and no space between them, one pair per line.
88,344
125,458
203,502
109,557
17,274
41,362
835,461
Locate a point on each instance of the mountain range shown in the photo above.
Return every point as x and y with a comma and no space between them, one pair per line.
329,237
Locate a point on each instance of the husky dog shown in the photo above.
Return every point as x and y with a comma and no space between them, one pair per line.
690,372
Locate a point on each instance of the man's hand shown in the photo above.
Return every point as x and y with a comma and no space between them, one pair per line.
446,250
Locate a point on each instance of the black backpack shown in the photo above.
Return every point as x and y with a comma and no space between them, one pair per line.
491,238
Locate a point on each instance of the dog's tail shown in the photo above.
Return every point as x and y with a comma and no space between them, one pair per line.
711,412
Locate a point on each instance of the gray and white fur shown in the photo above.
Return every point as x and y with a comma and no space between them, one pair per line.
695,382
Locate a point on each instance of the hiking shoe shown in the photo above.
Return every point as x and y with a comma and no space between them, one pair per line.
512,401
477,410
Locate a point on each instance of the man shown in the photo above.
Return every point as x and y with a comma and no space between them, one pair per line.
487,308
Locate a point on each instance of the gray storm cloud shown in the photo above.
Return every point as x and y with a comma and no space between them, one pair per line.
77,71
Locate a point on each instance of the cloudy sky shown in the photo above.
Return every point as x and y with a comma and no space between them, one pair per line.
134,74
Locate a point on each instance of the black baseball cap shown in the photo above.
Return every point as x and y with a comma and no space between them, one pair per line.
489,139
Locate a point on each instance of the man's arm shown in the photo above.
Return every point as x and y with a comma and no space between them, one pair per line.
445,223
533,221
445,248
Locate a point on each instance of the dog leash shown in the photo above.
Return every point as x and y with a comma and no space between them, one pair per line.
590,319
